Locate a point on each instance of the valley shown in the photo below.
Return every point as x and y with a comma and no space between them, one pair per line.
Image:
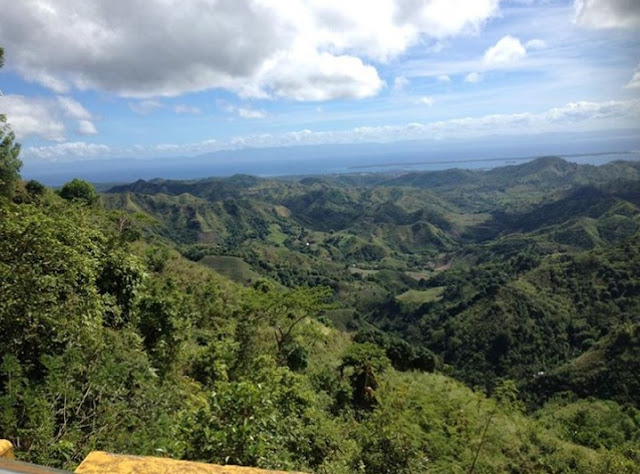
505,273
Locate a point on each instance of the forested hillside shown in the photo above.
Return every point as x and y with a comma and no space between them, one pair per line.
455,321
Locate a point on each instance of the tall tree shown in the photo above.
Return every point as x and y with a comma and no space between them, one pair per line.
79,190
9,150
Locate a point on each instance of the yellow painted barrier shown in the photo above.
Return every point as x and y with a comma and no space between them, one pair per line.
6,449
102,462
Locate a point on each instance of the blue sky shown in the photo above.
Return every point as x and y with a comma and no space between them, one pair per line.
98,79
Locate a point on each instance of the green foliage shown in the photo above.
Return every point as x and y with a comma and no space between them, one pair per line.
78,190
522,316
606,370
35,188
157,258
50,260
101,395
593,423
402,355
10,164
365,363
262,421
118,282
112,340
232,267
163,322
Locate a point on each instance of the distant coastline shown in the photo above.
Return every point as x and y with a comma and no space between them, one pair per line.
509,160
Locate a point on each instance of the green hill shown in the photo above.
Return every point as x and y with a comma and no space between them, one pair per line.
498,312
115,343
453,321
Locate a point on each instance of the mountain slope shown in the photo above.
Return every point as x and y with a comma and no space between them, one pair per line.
502,273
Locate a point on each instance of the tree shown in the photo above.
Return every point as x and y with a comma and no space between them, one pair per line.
285,312
35,188
9,151
366,361
79,190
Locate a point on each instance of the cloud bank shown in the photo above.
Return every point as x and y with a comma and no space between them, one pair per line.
573,116
50,118
306,50
607,13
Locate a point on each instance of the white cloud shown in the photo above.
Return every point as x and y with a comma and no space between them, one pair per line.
426,100
576,111
444,18
400,83
575,116
73,108
607,13
317,77
505,52
152,48
535,44
85,127
251,113
243,112
68,151
473,77
443,78
634,83
145,107
46,118
187,109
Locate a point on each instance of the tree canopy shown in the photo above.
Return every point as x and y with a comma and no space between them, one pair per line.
10,164
78,190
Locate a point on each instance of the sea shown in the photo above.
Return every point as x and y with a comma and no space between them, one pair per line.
394,158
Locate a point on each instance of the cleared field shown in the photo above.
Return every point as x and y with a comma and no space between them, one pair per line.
362,271
276,236
421,296
423,275
232,267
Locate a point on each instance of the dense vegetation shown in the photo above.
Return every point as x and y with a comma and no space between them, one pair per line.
508,273
455,321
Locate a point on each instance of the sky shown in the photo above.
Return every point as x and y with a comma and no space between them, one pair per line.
111,79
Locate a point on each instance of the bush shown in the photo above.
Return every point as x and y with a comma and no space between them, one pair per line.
78,190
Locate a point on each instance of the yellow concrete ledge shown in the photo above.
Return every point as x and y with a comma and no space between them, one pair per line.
6,449
101,462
